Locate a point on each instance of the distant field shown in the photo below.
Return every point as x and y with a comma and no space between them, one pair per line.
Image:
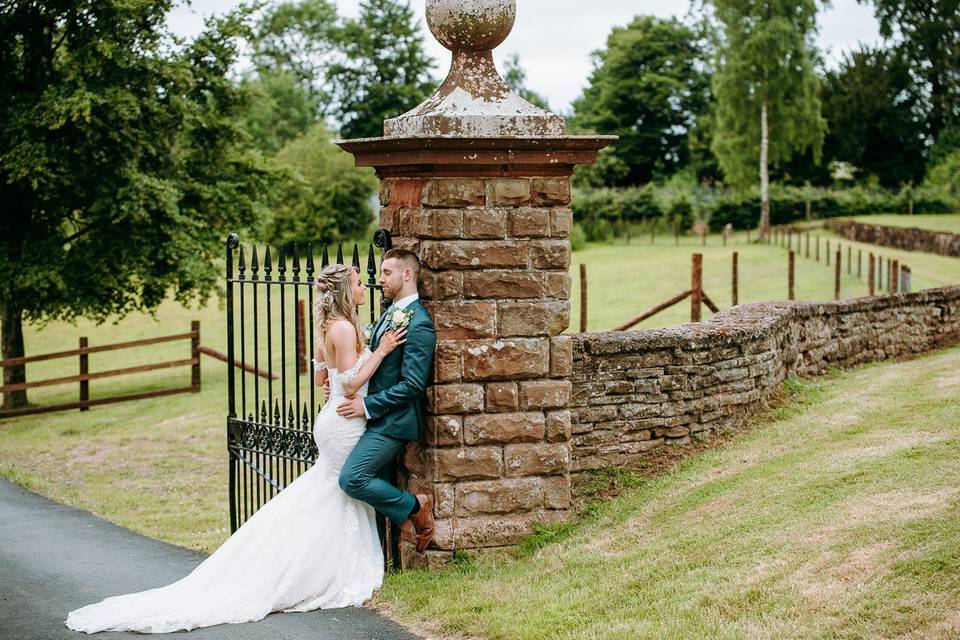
948,223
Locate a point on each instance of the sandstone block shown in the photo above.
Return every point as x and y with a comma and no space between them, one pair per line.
503,284
389,219
445,499
444,431
469,463
499,530
485,223
558,425
508,359
550,191
499,428
556,492
550,254
464,320
453,192
561,356
447,362
499,496
508,191
474,254
557,284
544,394
385,192
455,398
502,396
533,318
536,459
405,192
561,222
441,285
530,222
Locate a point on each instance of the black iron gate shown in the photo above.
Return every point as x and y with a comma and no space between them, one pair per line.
272,399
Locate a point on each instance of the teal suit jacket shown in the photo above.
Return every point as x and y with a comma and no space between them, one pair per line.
396,395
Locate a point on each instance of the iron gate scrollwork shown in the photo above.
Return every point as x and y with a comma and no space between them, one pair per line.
272,399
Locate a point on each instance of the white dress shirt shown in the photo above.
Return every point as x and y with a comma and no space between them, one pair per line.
402,303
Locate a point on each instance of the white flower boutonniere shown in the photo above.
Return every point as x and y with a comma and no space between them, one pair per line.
400,318
368,332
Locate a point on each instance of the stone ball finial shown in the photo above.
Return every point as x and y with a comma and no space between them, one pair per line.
471,25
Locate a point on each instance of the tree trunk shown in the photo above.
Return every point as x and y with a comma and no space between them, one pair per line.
764,173
12,320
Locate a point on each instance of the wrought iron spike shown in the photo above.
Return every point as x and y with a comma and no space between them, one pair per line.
276,411
282,263
250,416
290,415
254,263
304,418
310,261
267,263
263,411
372,266
325,262
356,257
296,262
339,253
241,263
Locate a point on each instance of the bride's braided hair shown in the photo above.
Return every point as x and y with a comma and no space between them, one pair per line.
334,301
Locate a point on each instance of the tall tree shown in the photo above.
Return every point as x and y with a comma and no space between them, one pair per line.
516,78
929,35
875,117
766,90
648,86
279,109
385,71
121,166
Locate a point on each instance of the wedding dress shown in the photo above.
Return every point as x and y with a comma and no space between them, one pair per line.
310,547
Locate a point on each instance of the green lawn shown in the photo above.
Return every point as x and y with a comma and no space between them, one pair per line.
837,517
931,222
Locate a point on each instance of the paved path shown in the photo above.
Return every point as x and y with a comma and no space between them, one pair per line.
55,558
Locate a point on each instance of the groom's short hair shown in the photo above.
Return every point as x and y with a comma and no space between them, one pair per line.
407,258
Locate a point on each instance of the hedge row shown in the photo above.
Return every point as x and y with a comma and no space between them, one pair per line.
602,212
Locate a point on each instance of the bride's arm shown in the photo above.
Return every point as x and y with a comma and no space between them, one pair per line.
320,374
344,337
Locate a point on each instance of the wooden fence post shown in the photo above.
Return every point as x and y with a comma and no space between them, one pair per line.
84,370
818,248
905,277
889,275
859,264
195,354
871,275
790,276
849,260
828,252
696,287
879,272
736,287
583,298
895,279
301,338
836,283
807,242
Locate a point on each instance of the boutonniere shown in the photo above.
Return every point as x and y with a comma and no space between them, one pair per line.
368,332
400,318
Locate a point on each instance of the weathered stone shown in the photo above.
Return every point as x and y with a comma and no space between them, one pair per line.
536,459
499,428
508,191
672,432
544,394
405,192
385,192
499,530
499,496
530,222
445,499
474,254
447,362
556,492
454,192
508,359
561,357
441,285
389,220
503,284
550,254
485,223
444,431
533,318
463,320
557,284
455,398
431,223
470,463
502,396
558,425
561,222
550,191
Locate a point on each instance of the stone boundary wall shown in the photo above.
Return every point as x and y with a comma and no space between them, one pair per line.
907,238
637,390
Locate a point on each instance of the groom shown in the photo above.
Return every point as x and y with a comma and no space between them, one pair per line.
394,406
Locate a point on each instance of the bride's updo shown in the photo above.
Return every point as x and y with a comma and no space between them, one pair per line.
334,301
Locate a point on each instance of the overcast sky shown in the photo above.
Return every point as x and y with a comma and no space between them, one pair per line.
555,37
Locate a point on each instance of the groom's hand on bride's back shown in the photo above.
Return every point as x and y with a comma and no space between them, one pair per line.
352,408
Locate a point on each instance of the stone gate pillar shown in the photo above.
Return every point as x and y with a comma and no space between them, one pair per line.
476,181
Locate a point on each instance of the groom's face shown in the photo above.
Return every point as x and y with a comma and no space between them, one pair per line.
391,278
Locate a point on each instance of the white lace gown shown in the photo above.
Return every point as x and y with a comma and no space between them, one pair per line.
310,547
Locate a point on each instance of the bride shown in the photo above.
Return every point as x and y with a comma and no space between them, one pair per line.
311,546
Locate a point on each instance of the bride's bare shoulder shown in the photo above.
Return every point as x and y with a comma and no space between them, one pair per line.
341,329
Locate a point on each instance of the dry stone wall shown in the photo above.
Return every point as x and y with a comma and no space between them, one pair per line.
637,390
909,239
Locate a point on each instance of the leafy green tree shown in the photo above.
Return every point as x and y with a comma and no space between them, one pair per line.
279,109
328,199
929,36
647,87
121,165
516,78
766,90
385,71
875,117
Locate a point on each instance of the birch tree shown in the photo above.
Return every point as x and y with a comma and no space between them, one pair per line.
767,107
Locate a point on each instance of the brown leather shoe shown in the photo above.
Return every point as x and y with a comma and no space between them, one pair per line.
418,528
